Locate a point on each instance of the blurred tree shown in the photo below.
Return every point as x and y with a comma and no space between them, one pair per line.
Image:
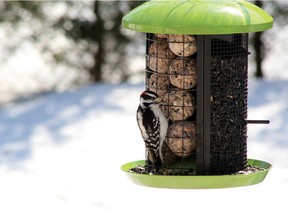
104,35
12,16
94,40
277,9
259,47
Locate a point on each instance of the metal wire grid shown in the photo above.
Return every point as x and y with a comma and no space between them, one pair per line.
228,130
229,93
173,77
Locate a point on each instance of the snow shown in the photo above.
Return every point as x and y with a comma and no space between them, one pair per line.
60,154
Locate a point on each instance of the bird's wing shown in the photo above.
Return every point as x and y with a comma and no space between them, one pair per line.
153,139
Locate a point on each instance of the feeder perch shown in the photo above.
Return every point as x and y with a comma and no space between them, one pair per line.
196,61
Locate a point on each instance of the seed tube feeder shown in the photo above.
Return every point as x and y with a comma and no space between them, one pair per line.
196,61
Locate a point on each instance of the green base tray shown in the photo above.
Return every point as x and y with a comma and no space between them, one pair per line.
193,182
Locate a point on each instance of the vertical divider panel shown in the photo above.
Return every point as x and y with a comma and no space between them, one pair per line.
203,104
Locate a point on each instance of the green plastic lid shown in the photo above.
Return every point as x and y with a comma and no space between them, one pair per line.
197,17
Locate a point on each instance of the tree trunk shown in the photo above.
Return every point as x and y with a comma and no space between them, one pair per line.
258,47
99,56
96,69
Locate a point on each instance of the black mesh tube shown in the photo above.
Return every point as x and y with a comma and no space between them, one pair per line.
228,103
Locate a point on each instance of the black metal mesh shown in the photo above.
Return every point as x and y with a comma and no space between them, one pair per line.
229,103
171,73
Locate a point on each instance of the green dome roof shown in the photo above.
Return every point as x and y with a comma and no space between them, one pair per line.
197,17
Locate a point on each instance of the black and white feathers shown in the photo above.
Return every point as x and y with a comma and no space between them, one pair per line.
153,126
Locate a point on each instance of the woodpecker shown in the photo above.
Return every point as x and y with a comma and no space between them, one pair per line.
153,126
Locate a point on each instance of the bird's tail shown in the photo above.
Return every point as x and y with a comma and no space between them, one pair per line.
153,158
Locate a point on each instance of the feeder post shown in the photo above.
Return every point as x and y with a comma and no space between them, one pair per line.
203,104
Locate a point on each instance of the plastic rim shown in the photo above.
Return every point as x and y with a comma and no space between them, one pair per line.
195,182
197,17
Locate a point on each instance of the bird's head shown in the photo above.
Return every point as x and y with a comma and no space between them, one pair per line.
149,97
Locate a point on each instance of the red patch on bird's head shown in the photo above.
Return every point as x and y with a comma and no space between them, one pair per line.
149,93
143,93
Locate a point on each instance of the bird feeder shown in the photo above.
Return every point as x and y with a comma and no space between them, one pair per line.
196,61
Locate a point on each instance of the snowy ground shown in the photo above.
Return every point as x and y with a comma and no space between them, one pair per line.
60,154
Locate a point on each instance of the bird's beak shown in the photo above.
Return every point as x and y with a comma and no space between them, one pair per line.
158,100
